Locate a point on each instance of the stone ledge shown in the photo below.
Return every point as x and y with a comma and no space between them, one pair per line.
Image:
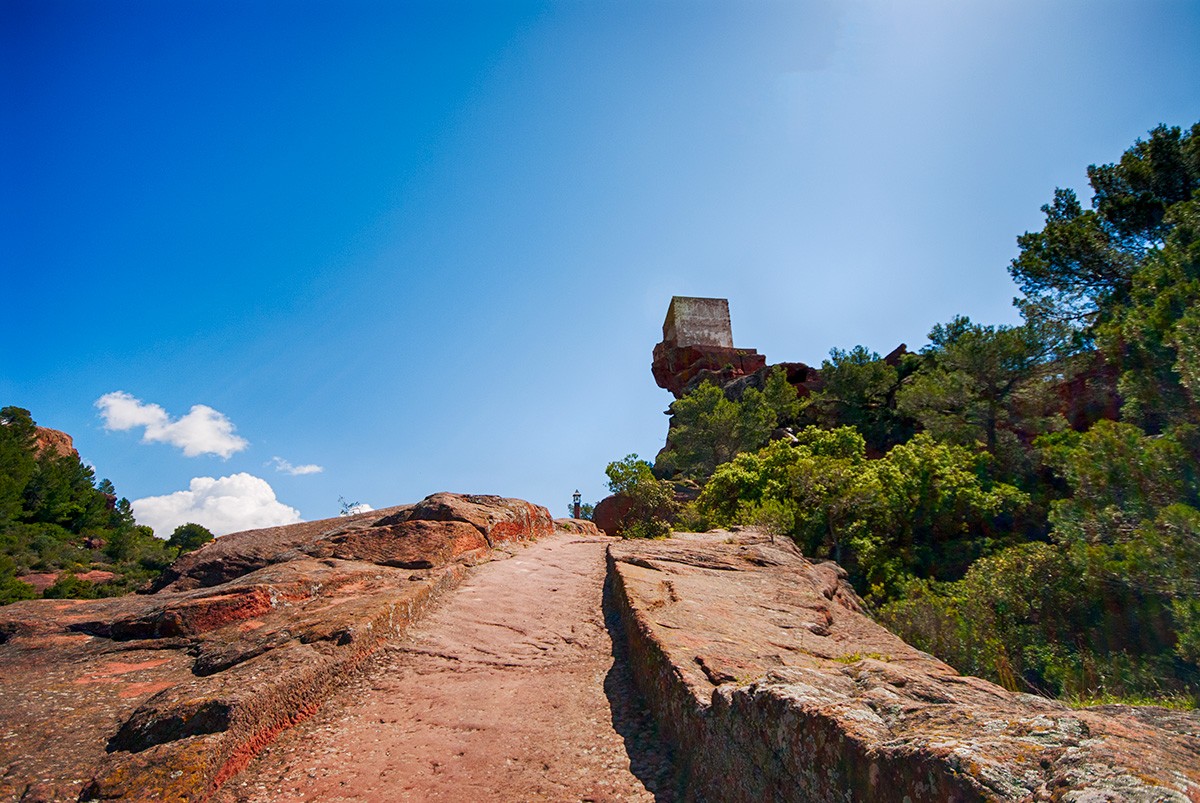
770,686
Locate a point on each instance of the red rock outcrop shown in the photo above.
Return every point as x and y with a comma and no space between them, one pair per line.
236,554
578,526
674,366
53,440
165,696
609,512
697,336
43,580
772,685
802,377
39,580
499,520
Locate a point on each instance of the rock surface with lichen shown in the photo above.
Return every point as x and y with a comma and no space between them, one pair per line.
771,684
165,696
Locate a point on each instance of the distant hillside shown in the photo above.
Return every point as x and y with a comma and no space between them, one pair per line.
62,534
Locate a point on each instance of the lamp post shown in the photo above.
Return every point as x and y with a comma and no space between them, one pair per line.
575,498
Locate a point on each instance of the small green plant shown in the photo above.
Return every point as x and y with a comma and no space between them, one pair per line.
855,657
1176,702
68,586
189,537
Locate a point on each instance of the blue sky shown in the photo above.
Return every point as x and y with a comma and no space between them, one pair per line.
429,246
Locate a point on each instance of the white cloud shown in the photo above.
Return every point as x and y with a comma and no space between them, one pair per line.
226,505
202,431
361,507
287,468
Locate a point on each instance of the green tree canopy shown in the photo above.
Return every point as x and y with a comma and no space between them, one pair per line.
17,461
925,509
859,390
189,537
708,428
1155,337
1081,264
651,503
54,516
986,385
1118,477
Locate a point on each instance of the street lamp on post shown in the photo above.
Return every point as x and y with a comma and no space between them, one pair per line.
575,498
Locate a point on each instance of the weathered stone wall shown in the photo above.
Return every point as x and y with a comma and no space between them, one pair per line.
697,336
772,686
698,322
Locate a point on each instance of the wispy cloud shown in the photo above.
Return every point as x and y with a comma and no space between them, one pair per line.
225,505
202,431
287,468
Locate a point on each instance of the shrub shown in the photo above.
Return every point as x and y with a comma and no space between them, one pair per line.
651,501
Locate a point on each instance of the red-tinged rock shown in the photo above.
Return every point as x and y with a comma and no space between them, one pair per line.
53,441
209,727
496,518
231,556
95,576
43,580
674,366
165,696
610,512
578,526
198,614
772,685
191,688
500,520
410,544
40,580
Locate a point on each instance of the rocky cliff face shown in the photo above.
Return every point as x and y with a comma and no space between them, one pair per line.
164,696
772,685
675,366
54,441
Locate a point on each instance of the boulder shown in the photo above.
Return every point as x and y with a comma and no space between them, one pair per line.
499,520
408,545
610,512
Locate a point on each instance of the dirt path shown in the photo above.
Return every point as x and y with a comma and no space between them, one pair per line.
510,690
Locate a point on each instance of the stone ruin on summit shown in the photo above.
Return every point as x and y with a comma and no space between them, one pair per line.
697,336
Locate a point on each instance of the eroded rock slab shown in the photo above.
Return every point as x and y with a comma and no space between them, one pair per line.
508,691
772,684
165,696
236,554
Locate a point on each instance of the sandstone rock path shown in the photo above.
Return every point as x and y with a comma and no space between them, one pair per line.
510,690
